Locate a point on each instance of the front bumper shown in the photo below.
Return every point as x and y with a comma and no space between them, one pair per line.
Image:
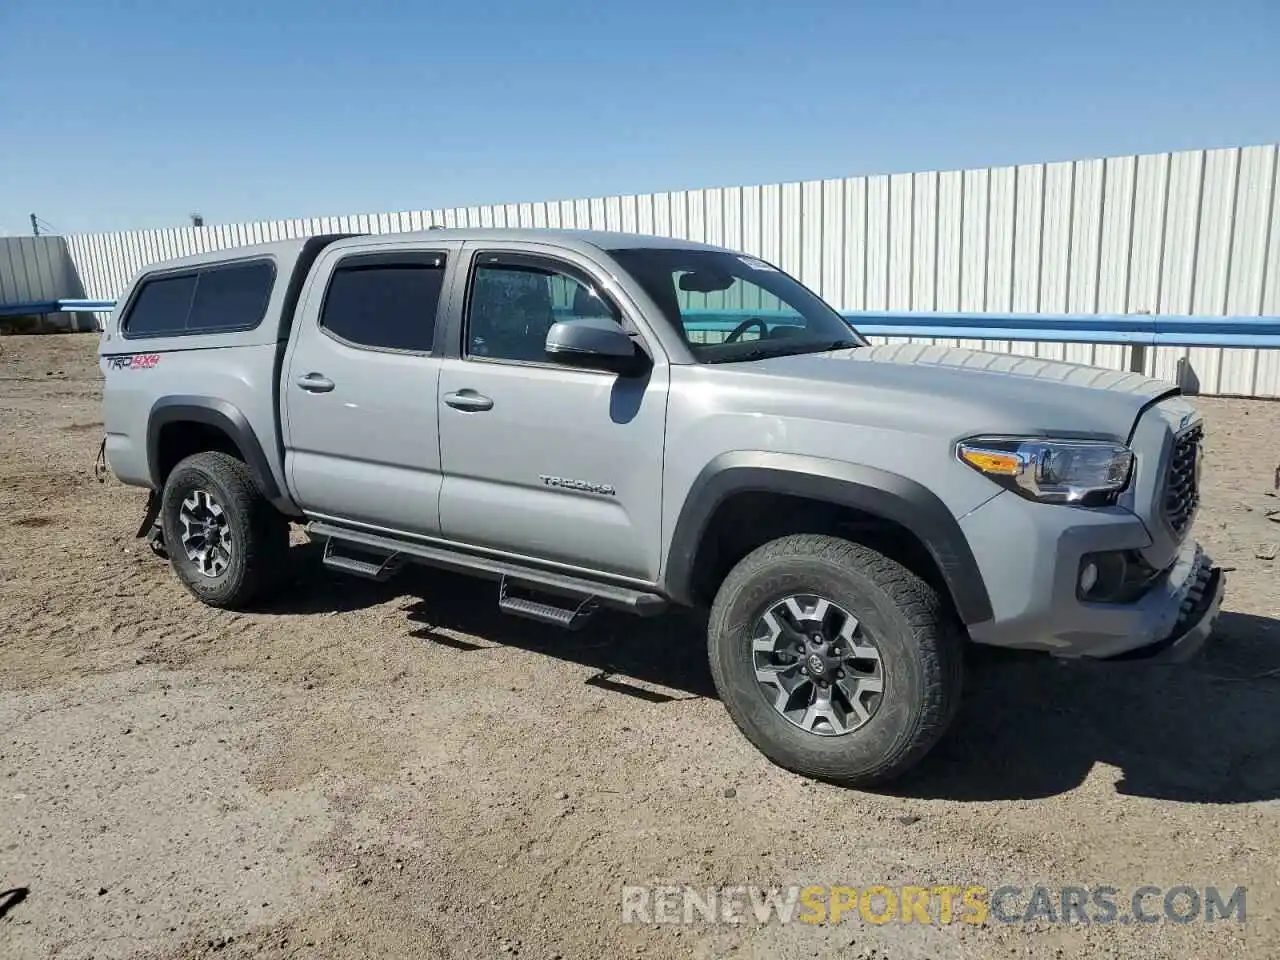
1030,558
1195,624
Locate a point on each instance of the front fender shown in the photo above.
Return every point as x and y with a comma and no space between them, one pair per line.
867,489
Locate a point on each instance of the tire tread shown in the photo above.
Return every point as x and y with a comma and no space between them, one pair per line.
263,538
928,619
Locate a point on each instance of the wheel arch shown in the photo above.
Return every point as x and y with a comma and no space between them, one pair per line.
220,417
868,491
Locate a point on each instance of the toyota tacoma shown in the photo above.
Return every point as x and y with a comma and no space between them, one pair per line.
601,420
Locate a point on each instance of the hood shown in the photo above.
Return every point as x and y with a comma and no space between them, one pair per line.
959,391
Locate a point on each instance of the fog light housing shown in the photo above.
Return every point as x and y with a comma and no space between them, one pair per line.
1116,576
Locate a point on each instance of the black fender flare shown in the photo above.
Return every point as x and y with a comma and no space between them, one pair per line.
215,413
867,489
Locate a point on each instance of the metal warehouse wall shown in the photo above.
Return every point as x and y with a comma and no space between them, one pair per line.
1193,232
33,269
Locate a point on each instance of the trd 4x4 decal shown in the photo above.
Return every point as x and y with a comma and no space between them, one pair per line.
136,361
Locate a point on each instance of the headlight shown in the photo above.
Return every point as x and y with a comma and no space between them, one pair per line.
1086,472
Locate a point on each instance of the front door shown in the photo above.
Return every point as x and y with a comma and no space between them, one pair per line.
361,420
541,460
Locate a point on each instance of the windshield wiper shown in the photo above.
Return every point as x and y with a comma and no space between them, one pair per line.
756,353
784,348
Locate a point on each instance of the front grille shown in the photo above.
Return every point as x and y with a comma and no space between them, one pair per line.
1182,486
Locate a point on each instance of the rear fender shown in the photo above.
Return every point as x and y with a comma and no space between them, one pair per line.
226,417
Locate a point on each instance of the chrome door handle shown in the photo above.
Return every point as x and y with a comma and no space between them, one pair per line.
468,400
315,383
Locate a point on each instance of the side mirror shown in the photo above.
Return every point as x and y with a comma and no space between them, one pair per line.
595,343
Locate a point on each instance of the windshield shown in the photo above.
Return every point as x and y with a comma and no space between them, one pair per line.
732,307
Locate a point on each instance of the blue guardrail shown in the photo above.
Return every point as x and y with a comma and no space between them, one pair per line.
1159,330
1163,330
40,307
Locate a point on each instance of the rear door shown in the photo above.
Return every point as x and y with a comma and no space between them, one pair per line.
359,391
540,460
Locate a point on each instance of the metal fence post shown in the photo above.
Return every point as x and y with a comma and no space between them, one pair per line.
1138,358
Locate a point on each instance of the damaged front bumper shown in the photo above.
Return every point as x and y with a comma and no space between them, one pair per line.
1197,617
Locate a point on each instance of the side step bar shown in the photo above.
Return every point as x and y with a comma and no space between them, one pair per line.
588,593
569,619
386,564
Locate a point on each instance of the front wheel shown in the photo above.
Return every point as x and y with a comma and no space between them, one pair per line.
834,660
225,542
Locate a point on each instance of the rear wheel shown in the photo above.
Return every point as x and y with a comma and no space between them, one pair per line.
834,660
225,542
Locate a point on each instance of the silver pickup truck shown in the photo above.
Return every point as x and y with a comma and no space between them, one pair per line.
609,420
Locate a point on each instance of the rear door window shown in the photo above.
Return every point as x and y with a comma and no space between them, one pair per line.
385,301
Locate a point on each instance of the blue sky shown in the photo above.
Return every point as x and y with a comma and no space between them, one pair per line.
118,114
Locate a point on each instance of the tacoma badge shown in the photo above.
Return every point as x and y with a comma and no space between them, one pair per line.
585,486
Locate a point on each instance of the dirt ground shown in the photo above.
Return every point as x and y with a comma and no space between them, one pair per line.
397,770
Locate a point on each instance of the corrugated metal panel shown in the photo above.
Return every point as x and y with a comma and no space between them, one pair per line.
1116,203
695,212
875,284
750,208
1002,199
855,245
1028,224
791,227
1086,239
770,242
1247,262
1266,376
1197,231
1177,255
950,235
831,248
975,207
35,269
924,241
901,241
1052,294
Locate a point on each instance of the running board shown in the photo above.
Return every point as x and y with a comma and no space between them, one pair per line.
612,595
530,609
369,569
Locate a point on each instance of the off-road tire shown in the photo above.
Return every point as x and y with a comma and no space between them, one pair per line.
919,639
259,533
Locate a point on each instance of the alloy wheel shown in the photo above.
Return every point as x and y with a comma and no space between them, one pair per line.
206,533
816,665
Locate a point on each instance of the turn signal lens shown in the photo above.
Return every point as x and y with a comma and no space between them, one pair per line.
992,461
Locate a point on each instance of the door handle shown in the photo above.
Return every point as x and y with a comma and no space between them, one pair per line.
468,400
315,383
